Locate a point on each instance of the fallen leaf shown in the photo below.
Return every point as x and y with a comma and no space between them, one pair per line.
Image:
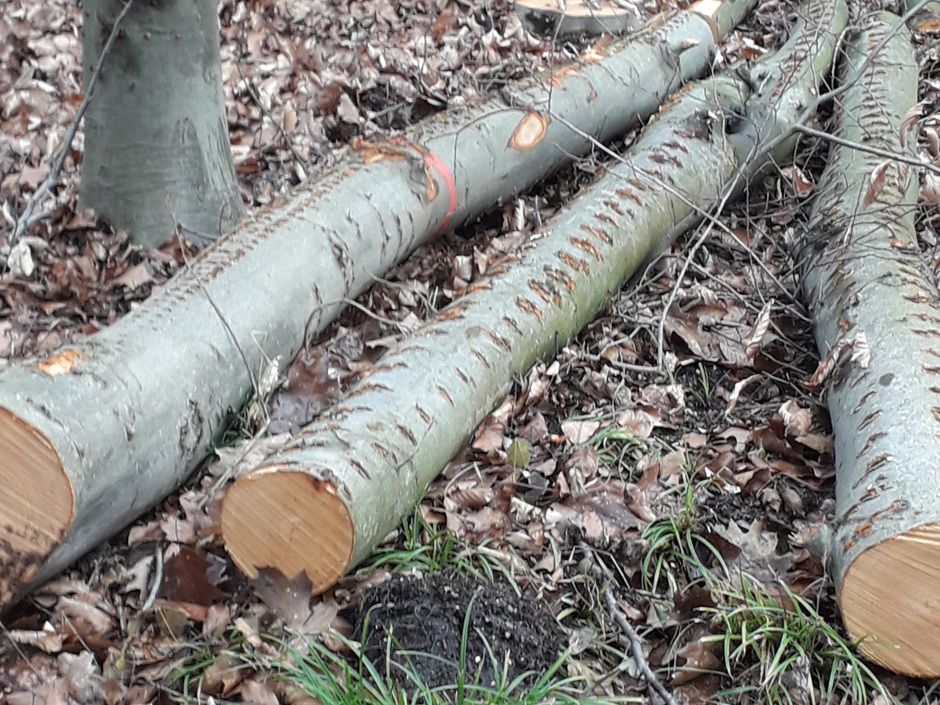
47,639
290,599
519,453
797,420
700,658
579,432
876,182
257,692
82,675
185,578
136,276
757,554
637,423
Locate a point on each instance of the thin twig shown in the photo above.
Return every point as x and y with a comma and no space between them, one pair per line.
19,651
893,156
27,218
636,647
402,328
157,579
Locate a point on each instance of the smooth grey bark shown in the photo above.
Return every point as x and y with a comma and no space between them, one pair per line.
133,409
371,457
157,150
552,19
926,14
878,321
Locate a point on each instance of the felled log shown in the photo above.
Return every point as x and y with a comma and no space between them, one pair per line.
346,480
877,316
551,18
98,432
926,15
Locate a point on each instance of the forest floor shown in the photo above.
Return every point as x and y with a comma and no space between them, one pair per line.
684,490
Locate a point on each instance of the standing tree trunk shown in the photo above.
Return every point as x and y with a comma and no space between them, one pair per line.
156,140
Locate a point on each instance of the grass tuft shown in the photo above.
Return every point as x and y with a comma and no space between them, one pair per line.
795,657
428,549
332,680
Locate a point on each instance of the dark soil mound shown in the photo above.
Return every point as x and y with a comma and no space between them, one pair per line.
423,619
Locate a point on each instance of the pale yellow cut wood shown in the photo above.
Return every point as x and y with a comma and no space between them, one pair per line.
890,598
290,521
36,501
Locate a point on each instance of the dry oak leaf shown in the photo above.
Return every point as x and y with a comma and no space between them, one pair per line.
579,432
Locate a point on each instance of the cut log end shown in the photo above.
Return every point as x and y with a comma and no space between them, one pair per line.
37,503
291,521
890,599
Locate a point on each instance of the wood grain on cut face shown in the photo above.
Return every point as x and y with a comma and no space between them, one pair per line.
890,599
289,521
36,502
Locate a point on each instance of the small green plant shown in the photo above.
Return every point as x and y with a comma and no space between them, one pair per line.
428,549
613,444
188,673
332,680
676,542
792,654
703,376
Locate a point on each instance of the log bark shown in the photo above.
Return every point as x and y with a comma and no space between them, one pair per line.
157,151
323,504
550,18
877,318
926,15
100,431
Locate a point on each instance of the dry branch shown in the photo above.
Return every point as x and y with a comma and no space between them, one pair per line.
878,323
322,505
97,433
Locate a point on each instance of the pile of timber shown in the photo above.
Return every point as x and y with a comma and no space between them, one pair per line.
95,434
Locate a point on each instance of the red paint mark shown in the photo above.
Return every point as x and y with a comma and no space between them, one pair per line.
434,162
